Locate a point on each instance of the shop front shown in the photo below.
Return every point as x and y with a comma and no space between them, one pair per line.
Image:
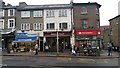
63,40
24,42
7,36
86,40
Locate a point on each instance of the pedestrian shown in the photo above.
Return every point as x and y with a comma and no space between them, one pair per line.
36,49
109,49
46,48
73,50
98,50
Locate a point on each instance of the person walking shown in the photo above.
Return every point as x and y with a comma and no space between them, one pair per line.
109,49
36,49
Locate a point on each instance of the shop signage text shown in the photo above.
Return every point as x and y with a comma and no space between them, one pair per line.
87,32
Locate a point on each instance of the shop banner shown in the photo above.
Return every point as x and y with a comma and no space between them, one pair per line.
87,32
31,39
21,34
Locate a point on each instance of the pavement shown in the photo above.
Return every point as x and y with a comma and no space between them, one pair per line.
103,54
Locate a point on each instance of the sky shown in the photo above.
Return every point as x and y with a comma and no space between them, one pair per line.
108,10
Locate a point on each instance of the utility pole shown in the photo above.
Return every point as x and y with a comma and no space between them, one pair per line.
57,44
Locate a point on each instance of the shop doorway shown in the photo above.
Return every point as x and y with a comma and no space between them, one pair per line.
41,45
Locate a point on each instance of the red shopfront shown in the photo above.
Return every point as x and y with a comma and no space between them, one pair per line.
64,39
87,37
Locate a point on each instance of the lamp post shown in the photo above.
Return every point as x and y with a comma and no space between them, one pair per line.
57,44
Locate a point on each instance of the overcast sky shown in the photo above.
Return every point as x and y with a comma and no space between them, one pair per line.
108,10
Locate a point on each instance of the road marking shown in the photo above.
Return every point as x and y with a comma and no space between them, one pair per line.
105,61
83,60
86,59
63,59
3,65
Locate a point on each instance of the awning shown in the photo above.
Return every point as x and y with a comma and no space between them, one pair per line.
29,39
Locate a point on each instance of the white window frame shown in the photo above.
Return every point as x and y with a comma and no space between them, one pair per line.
49,27
9,23
25,24
84,10
61,25
25,14
10,12
63,13
97,11
2,23
37,26
38,13
1,13
50,13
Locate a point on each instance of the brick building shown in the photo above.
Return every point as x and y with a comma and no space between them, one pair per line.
114,29
86,20
105,31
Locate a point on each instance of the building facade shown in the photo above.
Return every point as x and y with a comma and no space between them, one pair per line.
55,25
86,20
105,31
29,22
57,19
7,24
114,32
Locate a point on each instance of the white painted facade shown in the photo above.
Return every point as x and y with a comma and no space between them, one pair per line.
57,19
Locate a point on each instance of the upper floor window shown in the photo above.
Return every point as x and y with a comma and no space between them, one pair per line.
84,24
1,23
1,13
37,26
62,13
25,13
63,25
84,10
11,23
50,25
50,13
37,13
97,11
11,12
25,26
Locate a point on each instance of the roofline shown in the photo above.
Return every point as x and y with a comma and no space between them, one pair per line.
89,3
114,17
45,6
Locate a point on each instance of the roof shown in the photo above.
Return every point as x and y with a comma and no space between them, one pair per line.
114,17
104,27
89,3
9,7
53,6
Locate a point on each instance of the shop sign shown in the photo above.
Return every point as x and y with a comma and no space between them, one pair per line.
59,34
32,35
21,34
25,39
87,32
